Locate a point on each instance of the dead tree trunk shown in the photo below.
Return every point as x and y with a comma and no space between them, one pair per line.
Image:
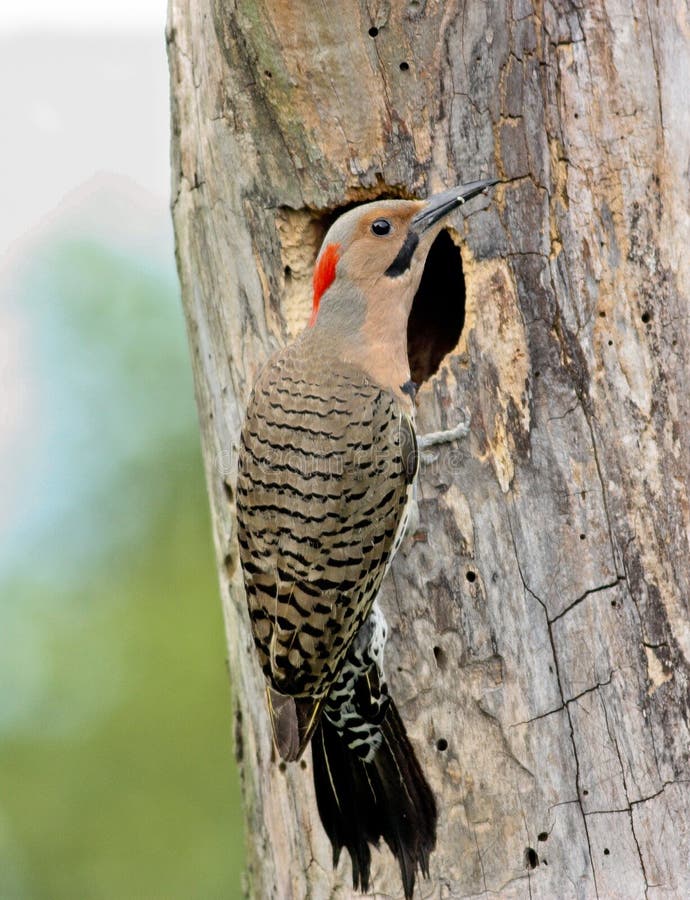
541,646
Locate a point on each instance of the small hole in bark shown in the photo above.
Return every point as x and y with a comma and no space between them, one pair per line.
585,793
440,657
471,576
438,310
404,66
441,744
577,115
282,766
537,374
646,317
543,836
239,737
268,74
302,764
582,537
373,31
602,314
531,858
545,862
606,851
613,603
610,343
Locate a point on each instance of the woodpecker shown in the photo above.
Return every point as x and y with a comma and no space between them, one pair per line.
327,464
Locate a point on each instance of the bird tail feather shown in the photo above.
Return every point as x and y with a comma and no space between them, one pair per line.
293,720
360,802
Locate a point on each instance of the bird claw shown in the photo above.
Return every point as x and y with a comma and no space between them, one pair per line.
433,438
412,523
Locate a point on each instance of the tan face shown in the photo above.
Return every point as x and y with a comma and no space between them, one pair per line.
376,253
388,239
372,238
370,264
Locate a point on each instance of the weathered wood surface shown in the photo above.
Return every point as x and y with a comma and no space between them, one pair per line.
541,645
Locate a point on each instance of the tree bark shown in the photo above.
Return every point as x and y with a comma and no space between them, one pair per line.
540,642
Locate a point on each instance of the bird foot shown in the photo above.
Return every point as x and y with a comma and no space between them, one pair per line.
434,438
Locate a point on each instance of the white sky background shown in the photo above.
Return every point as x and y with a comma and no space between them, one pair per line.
83,15
78,100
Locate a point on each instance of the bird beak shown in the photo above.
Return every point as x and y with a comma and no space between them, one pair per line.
441,204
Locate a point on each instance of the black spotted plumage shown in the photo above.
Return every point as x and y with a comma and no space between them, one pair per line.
322,486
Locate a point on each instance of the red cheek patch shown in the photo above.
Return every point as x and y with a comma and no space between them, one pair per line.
324,276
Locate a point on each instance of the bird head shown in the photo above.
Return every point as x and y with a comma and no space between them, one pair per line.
372,258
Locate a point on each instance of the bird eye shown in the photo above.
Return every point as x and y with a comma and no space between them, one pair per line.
381,227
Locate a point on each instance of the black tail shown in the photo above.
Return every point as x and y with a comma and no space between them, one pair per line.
360,802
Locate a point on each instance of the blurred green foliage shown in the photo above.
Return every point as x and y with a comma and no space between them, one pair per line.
117,777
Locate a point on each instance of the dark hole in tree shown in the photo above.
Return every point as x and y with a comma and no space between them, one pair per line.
282,766
440,657
531,858
441,744
646,317
606,851
404,66
471,576
438,311
543,836
373,31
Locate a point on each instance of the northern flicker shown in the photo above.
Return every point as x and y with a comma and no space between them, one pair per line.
327,464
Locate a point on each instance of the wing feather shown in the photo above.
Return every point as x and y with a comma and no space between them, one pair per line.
325,462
